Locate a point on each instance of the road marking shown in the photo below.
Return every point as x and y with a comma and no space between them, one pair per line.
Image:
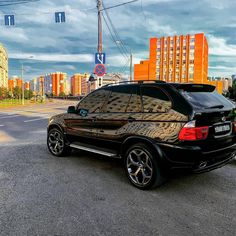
5,117
38,131
1,125
42,118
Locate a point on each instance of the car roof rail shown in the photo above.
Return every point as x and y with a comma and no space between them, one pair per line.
137,82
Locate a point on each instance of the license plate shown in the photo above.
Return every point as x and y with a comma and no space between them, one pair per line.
222,128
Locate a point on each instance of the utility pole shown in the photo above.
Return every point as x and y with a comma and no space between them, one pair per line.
99,7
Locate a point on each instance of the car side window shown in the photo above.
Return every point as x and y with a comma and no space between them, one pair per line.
94,101
119,99
135,104
155,100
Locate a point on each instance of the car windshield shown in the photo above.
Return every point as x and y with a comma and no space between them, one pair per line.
207,100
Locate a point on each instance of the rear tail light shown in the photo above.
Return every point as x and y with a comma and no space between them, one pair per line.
190,132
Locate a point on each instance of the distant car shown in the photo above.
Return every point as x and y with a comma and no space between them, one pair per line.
154,126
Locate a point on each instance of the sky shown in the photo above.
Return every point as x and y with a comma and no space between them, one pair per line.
44,46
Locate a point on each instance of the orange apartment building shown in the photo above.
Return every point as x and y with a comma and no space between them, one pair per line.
178,59
75,83
27,85
79,84
15,82
58,80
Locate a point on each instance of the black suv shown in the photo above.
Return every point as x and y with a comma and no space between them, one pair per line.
154,126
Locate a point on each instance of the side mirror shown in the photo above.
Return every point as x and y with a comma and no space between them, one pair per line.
83,112
71,109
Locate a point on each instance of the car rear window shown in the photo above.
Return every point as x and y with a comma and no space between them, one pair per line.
203,97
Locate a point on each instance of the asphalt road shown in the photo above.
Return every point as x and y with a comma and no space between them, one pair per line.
86,194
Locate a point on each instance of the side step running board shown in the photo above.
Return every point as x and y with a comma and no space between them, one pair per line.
94,150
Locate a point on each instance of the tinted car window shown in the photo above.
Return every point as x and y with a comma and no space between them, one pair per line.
94,101
206,100
119,99
154,99
135,100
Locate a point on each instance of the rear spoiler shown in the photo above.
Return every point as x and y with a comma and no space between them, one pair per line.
194,87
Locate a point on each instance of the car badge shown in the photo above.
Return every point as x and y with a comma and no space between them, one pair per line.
223,118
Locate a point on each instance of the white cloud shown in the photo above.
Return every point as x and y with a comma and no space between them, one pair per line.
82,58
219,46
160,29
13,34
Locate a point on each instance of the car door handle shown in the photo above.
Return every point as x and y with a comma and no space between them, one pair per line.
93,119
131,119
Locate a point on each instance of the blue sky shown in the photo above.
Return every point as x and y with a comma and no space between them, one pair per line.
70,47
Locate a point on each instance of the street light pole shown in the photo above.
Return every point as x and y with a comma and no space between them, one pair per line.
131,66
131,60
22,87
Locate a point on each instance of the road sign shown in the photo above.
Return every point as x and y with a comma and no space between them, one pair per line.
100,70
9,20
60,17
100,58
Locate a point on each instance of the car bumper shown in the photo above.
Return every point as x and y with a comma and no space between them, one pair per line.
195,159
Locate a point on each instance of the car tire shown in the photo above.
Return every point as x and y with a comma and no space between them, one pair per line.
142,168
56,143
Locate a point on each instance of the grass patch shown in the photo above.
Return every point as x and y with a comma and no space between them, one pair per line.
12,102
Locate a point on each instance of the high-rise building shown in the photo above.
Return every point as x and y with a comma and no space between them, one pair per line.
79,84
58,83
175,59
48,84
33,85
3,67
40,85
84,84
14,82
76,84
27,85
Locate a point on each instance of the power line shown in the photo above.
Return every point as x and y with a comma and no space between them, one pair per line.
15,2
113,38
121,44
118,5
125,67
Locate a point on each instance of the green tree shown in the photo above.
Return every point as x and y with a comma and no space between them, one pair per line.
234,90
17,92
62,94
28,94
3,93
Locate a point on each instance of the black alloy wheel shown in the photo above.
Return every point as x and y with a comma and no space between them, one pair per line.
56,143
142,167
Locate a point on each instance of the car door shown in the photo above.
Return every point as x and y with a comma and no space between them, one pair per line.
120,110
81,127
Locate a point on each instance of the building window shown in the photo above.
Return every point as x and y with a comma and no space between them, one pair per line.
191,47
